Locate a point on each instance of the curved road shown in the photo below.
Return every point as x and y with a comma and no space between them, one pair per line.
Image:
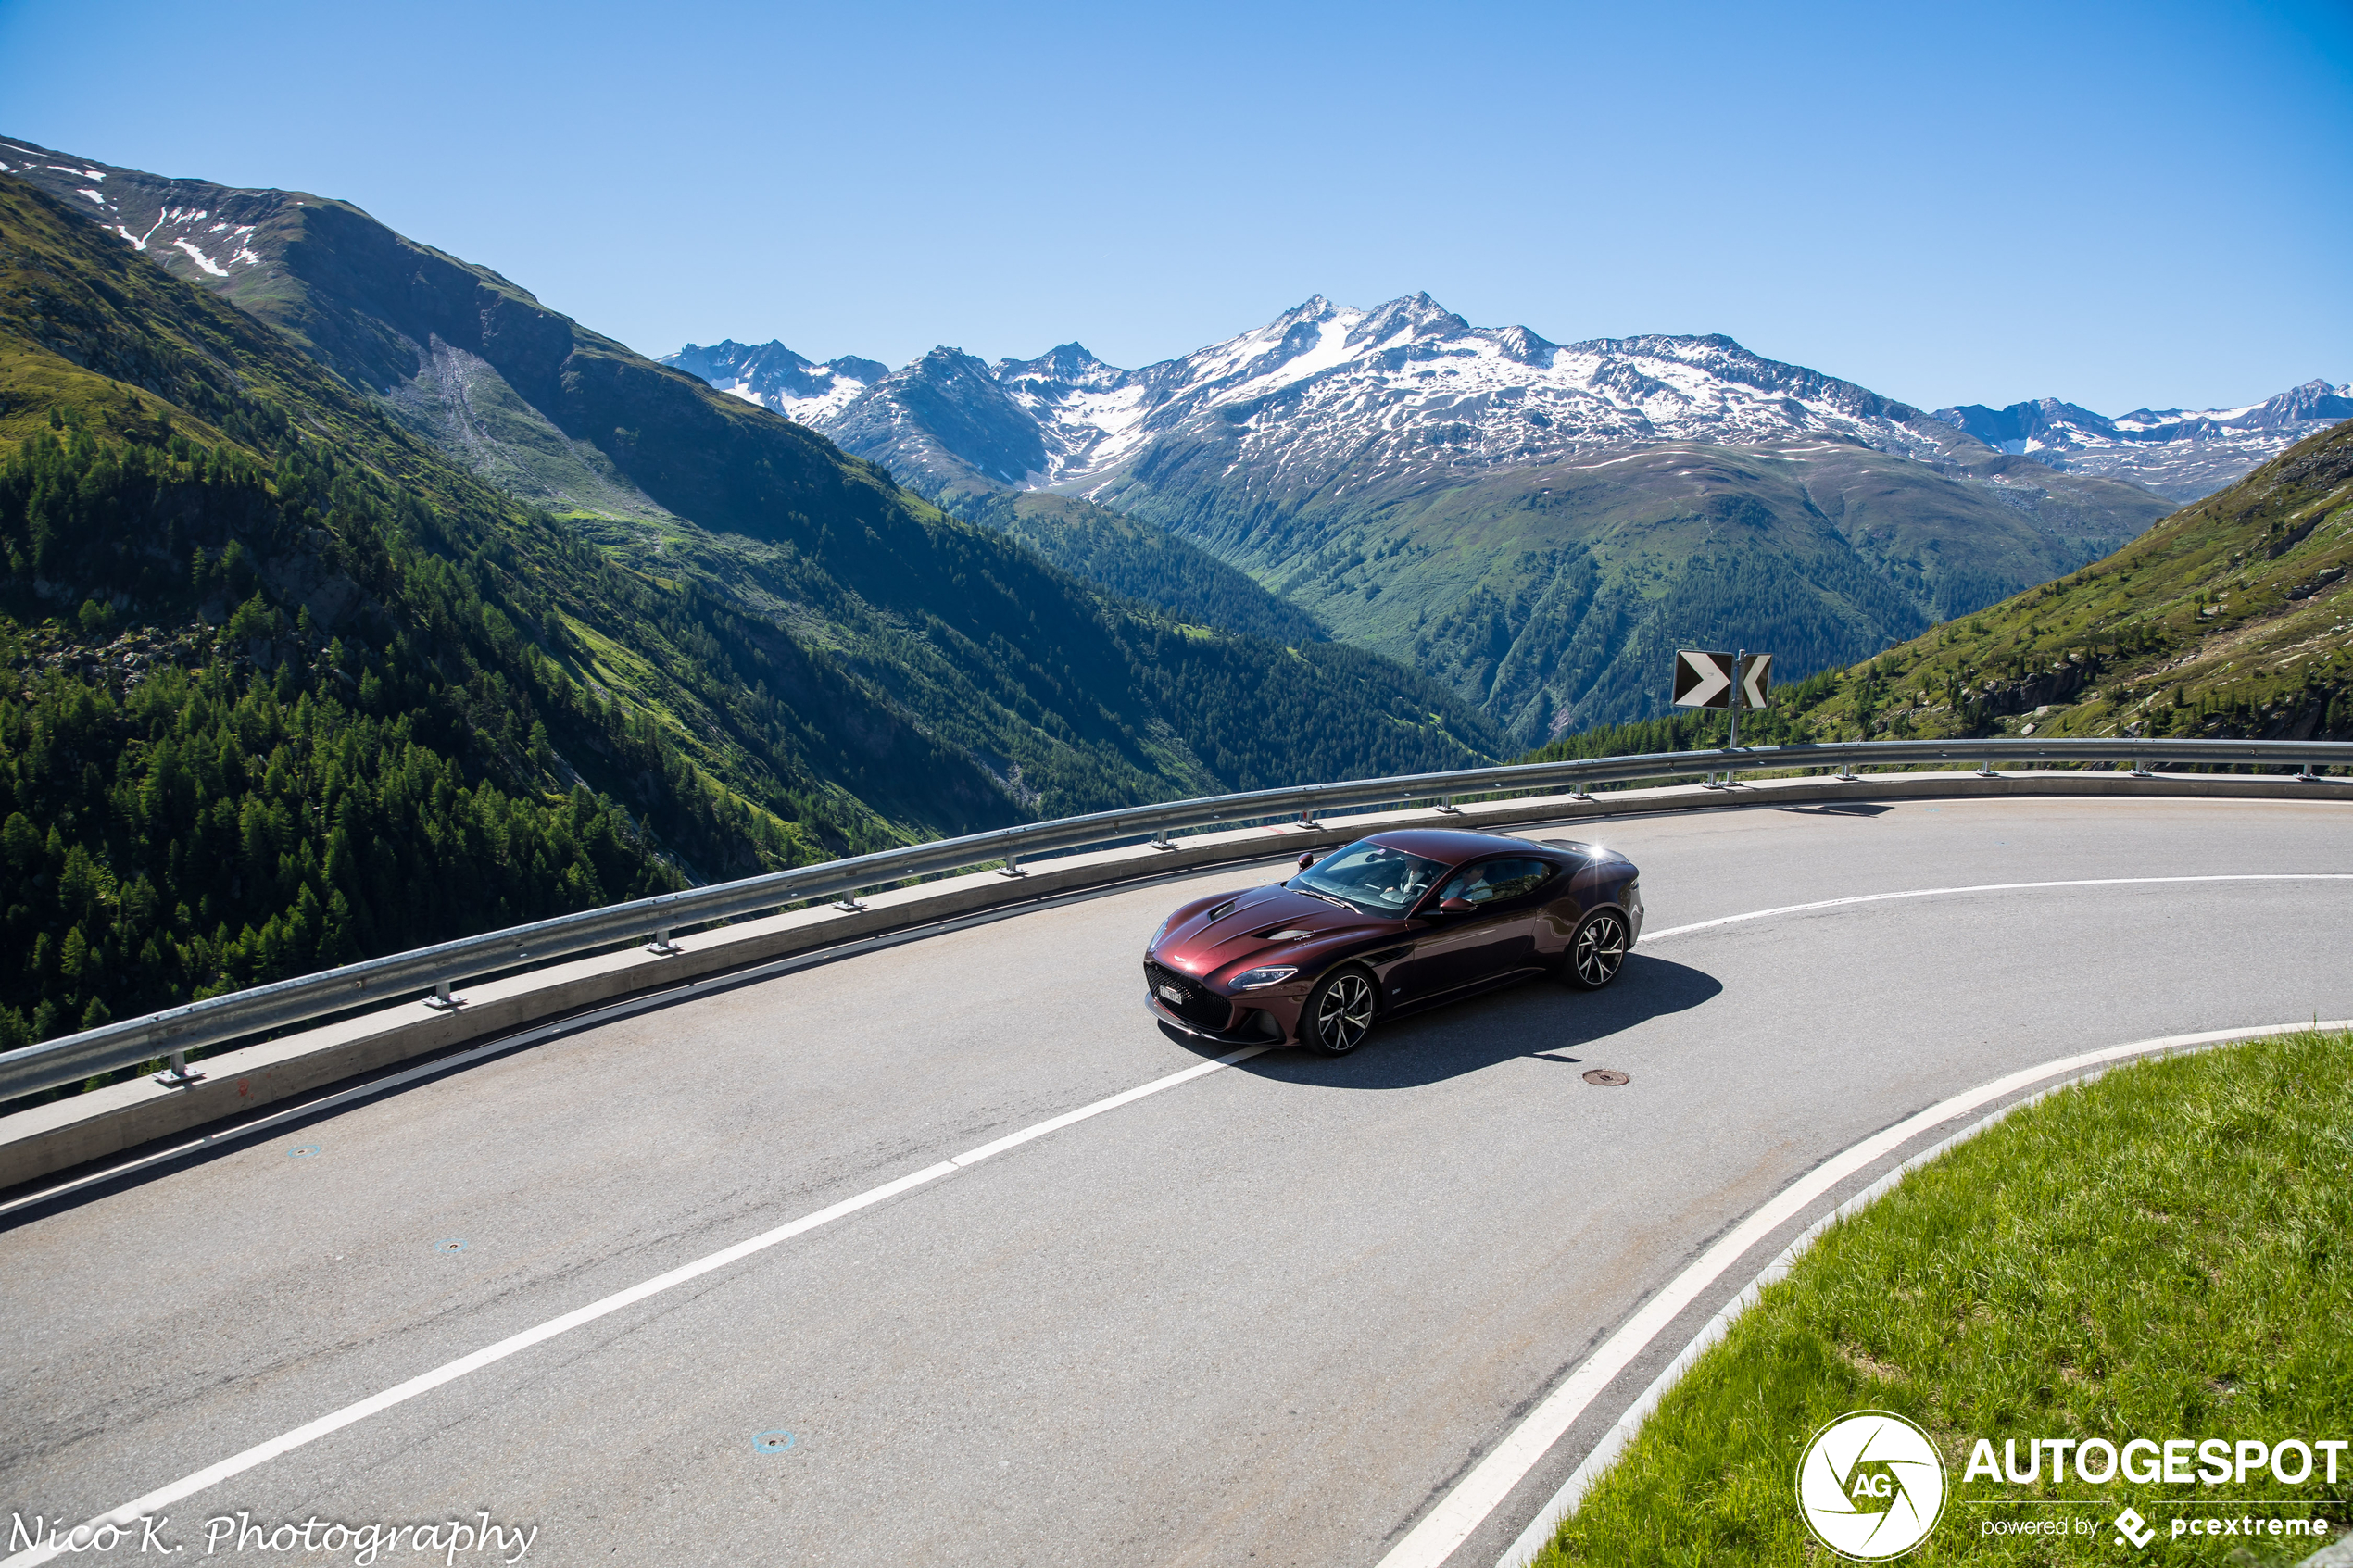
1267,1315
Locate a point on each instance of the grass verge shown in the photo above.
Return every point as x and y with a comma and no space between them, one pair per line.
2161,1253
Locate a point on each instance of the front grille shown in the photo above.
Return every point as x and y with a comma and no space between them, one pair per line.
1201,1006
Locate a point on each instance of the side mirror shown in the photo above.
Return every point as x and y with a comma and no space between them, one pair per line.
1456,906
1305,862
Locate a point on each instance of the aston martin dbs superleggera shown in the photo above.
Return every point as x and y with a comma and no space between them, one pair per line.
1389,924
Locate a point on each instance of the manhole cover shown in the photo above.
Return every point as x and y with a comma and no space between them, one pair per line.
1607,1077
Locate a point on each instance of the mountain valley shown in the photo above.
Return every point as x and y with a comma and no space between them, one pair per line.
1529,522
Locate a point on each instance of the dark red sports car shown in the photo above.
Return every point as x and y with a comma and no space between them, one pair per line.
1391,923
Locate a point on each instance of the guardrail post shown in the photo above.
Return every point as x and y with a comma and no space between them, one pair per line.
1307,816
1449,807
1576,790
661,947
1011,866
2310,774
177,1075
1160,841
1847,773
848,904
441,1001
2141,768
1985,769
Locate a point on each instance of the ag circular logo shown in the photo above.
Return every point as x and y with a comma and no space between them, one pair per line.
1871,1485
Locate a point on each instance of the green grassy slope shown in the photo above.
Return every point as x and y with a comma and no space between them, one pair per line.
2232,618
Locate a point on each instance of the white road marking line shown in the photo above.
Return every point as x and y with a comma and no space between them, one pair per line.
1465,1509
1981,888
262,1453
1012,1140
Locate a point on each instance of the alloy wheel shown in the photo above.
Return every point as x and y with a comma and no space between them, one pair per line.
1343,1013
1599,949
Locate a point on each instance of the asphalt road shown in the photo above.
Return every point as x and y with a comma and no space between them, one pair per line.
1266,1316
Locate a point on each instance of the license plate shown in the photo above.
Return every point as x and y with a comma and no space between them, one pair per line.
1173,994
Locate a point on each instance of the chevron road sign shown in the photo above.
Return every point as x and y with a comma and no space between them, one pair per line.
1709,680
1722,680
1703,680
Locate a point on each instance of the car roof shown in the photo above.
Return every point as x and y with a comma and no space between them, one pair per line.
1454,846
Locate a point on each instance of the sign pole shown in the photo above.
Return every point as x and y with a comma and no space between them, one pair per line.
1738,659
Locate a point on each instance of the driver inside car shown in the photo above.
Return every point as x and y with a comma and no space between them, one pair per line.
1472,887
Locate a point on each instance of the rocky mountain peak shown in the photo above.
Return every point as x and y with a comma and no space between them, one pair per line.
1525,348
2315,399
1415,316
1068,366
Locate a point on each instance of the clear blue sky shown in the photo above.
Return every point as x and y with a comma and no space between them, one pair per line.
2117,204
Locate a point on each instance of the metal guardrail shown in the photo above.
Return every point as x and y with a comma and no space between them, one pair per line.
261,1009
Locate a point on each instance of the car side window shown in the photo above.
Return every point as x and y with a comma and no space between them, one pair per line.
1510,879
1493,880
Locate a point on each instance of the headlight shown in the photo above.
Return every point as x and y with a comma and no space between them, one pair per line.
1159,932
1259,979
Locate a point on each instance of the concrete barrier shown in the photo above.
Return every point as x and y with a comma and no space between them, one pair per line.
80,1129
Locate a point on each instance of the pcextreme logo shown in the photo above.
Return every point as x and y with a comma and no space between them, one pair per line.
1871,1485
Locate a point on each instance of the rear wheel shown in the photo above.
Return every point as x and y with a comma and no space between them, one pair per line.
1597,951
1338,1014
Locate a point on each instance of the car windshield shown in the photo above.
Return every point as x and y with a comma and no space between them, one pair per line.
1371,877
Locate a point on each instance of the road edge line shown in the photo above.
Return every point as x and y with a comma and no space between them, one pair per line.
1988,887
1442,1531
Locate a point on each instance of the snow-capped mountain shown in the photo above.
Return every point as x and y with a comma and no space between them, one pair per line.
1330,393
2180,453
775,377
1324,387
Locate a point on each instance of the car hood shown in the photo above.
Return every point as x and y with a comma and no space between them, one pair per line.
1217,934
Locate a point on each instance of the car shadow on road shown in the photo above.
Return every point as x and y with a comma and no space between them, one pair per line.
1539,1018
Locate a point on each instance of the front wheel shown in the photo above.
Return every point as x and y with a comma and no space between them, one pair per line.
1597,952
1338,1014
